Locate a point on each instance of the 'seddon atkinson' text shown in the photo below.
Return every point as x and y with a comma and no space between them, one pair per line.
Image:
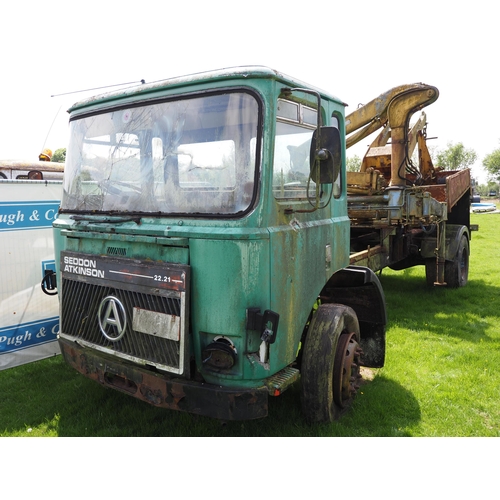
85,267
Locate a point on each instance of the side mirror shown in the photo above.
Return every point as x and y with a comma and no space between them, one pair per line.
325,155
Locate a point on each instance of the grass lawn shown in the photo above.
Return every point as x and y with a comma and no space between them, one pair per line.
441,376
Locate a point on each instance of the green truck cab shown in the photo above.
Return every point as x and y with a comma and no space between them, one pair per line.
203,247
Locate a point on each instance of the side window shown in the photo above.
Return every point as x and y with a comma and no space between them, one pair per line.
294,128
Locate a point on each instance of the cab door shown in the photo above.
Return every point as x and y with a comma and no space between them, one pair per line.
310,235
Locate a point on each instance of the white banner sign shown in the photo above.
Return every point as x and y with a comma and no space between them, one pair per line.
29,319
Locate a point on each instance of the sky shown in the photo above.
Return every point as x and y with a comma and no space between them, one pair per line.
353,50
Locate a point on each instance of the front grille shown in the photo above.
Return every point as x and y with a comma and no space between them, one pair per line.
86,298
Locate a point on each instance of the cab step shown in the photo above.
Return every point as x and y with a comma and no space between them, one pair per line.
280,381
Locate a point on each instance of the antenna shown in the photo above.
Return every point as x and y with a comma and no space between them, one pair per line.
86,90
50,128
98,88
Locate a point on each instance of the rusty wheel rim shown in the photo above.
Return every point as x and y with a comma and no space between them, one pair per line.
346,372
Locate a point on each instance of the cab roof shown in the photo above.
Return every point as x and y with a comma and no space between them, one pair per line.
240,72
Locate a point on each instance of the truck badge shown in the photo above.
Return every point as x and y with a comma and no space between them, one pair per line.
112,318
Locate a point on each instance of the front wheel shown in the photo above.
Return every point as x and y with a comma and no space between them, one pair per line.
331,363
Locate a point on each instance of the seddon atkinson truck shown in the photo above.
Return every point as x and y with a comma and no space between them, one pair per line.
206,257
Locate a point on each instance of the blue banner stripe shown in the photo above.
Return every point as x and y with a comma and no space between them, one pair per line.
18,215
17,337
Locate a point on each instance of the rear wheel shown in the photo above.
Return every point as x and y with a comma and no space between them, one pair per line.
456,273
430,271
330,364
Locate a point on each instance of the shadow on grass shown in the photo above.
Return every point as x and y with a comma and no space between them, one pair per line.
384,408
465,313
50,396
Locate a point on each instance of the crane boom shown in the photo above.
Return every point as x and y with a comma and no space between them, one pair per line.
399,100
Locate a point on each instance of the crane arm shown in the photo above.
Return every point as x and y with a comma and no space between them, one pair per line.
391,111
370,117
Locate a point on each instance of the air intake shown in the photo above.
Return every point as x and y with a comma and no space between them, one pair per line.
116,251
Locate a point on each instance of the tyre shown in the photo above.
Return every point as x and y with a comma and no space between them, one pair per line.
456,273
430,272
330,365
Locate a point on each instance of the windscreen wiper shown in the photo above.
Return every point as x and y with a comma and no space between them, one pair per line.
100,219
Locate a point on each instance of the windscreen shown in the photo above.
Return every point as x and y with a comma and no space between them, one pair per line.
191,156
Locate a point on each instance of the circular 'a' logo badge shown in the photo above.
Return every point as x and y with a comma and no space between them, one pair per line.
112,318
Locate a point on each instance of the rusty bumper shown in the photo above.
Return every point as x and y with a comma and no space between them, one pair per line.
167,391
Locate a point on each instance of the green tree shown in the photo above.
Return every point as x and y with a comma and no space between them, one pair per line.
59,155
353,164
455,157
491,163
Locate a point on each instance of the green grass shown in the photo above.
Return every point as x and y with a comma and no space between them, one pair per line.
441,377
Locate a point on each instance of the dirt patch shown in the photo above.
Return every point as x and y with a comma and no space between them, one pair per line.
368,374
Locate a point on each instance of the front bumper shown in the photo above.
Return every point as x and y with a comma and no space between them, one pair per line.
166,391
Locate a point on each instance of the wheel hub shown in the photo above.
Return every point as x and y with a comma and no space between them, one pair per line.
346,372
